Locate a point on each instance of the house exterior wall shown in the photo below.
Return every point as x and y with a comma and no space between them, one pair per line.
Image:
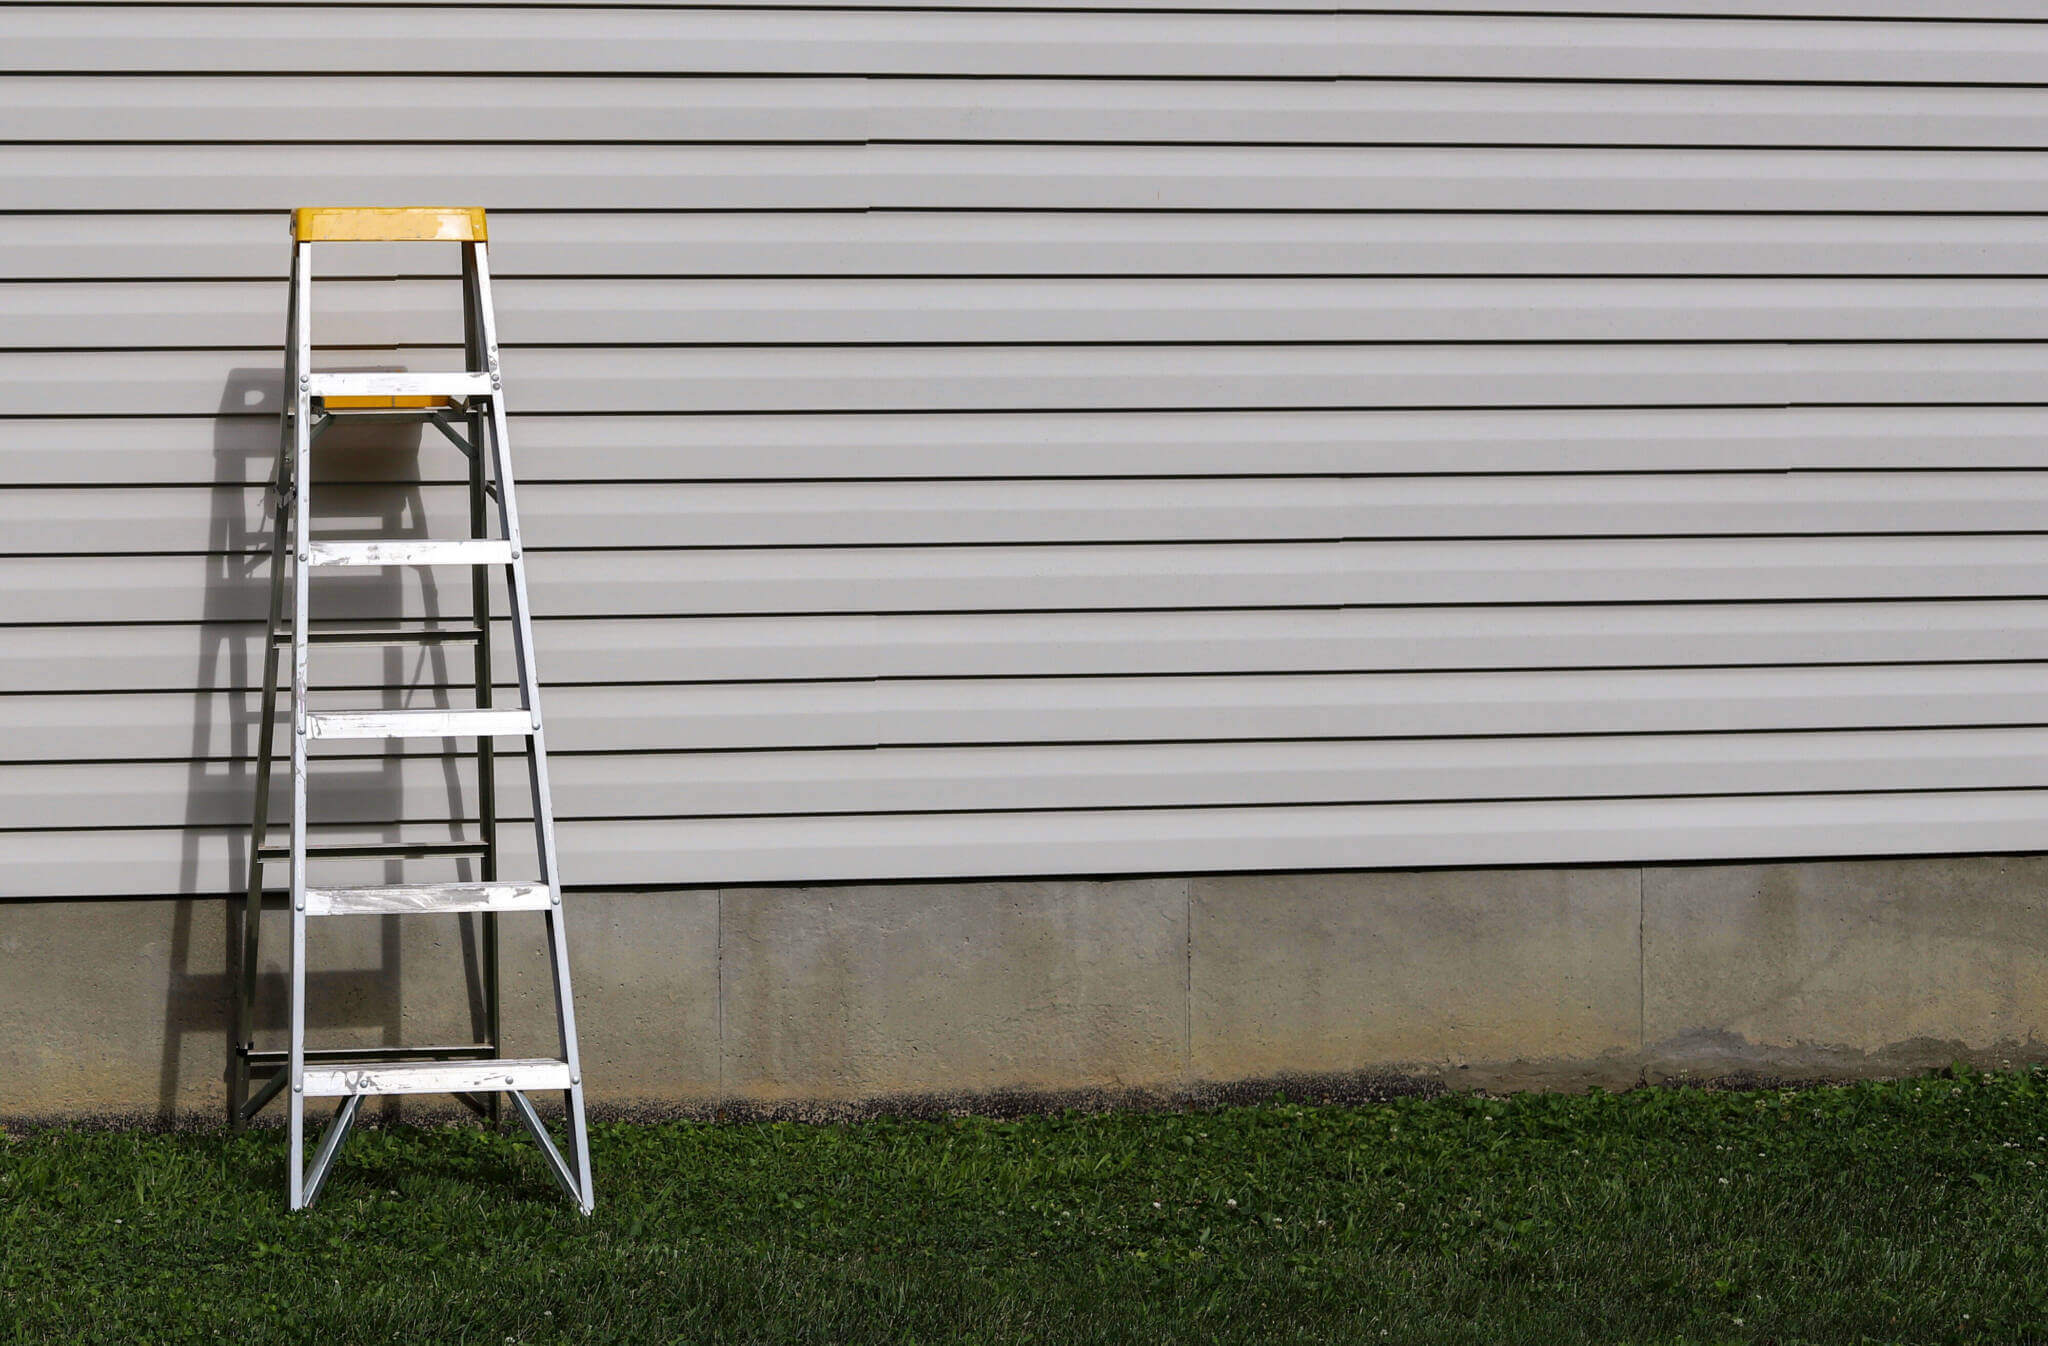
817,1002
1025,443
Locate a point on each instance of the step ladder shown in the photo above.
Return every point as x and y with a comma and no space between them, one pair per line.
476,1072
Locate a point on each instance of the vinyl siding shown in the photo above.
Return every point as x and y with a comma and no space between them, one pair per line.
1060,440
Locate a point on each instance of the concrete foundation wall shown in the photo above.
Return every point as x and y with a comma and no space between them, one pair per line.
813,1000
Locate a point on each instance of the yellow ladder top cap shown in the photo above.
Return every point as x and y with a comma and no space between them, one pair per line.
388,224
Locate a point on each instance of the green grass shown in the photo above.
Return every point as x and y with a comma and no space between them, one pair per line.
1908,1212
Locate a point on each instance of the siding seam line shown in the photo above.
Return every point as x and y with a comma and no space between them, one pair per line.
1187,1055
718,1015
1642,979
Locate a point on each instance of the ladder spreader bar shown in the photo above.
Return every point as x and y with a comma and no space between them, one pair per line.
450,1052
357,850
383,635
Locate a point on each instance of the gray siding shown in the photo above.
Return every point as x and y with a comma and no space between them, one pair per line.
1080,440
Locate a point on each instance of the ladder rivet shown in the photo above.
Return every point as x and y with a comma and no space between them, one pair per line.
298,1088
305,380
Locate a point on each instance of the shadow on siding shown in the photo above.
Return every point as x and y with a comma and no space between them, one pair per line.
376,468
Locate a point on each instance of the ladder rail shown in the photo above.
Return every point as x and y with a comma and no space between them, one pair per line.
302,514
521,612
480,486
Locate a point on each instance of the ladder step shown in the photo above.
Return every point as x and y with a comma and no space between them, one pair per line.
401,898
413,409
382,635
434,1077
388,224
411,552
457,383
357,850
417,723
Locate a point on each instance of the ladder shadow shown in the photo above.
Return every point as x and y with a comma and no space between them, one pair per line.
369,791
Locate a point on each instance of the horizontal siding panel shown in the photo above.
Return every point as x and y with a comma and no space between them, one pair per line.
884,780
43,590
1761,9
920,846
419,106
2014,10
1028,177
521,40
873,514
554,448
1866,10
971,379
492,109
1088,644
933,243
696,717
231,314
201,38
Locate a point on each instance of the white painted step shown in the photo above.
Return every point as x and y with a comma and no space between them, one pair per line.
411,552
417,723
455,384
398,899
434,1077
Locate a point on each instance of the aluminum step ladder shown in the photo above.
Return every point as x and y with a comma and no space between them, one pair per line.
476,1072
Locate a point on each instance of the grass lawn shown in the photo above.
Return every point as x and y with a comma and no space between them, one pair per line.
1909,1212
